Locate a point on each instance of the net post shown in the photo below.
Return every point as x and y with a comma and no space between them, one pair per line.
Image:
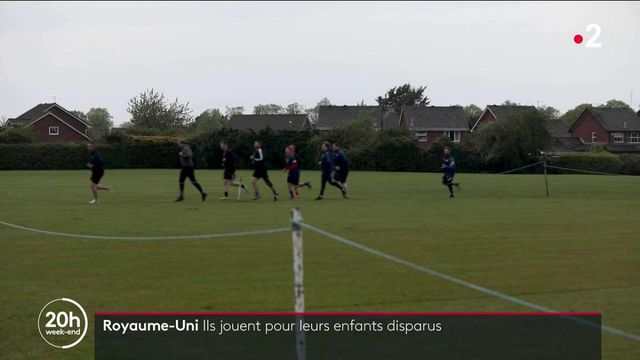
298,281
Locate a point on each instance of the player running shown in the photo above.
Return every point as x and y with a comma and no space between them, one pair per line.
188,170
449,171
97,172
229,166
326,165
341,170
260,172
293,171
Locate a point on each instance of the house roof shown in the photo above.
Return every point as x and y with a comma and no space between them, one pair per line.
503,111
558,128
614,119
38,111
334,117
297,122
435,118
567,144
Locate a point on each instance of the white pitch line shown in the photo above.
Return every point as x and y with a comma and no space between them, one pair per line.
461,282
176,237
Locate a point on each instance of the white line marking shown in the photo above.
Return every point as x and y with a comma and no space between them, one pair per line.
176,237
461,282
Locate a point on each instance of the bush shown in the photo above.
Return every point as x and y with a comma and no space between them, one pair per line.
631,164
16,135
590,161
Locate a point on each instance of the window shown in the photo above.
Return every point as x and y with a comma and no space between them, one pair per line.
421,135
618,138
453,135
634,138
594,138
54,130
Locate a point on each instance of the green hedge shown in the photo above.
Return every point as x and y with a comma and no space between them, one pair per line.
590,161
130,154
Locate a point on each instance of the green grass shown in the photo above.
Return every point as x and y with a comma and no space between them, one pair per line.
578,250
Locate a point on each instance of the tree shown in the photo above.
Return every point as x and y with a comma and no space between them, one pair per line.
230,111
100,121
510,103
268,109
295,108
572,115
397,97
209,121
315,111
508,142
549,112
150,110
616,104
472,111
79,114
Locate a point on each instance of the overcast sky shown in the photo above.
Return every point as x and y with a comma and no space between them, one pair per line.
215,54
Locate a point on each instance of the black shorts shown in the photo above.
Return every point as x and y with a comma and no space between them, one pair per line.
260,172
341,176
447,179
96,175
187,172
293,179
229,174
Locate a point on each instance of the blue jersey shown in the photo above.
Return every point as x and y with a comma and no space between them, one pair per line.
448,165
326,162
340,162
96,161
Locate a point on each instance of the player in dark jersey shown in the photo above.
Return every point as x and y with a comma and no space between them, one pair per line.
97,172
326,165
188,170
341,170
449,171
293,170
260,172
229,166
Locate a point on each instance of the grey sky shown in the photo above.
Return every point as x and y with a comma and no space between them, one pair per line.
216,54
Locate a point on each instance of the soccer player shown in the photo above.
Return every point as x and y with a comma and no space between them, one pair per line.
341,170
293,171
229,166
260,171
97,172
449,171
188,170
326,164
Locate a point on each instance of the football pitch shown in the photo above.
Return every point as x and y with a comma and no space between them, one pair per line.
578,250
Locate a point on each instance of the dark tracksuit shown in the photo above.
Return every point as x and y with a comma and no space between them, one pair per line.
326,164
342,167
187,170
229,165
97,170
449,172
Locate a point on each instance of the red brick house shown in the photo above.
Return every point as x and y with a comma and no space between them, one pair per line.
618,129
430,123
291,122
495,112
53,123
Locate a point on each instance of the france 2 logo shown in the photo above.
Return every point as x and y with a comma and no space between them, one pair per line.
592,41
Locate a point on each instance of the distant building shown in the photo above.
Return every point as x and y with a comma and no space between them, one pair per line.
53,123
336,116
618,129
296,122
495,112
430,123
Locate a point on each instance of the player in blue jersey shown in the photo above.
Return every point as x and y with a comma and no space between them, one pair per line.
449,171
341,170
326,165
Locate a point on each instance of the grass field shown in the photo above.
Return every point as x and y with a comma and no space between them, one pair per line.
578,250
